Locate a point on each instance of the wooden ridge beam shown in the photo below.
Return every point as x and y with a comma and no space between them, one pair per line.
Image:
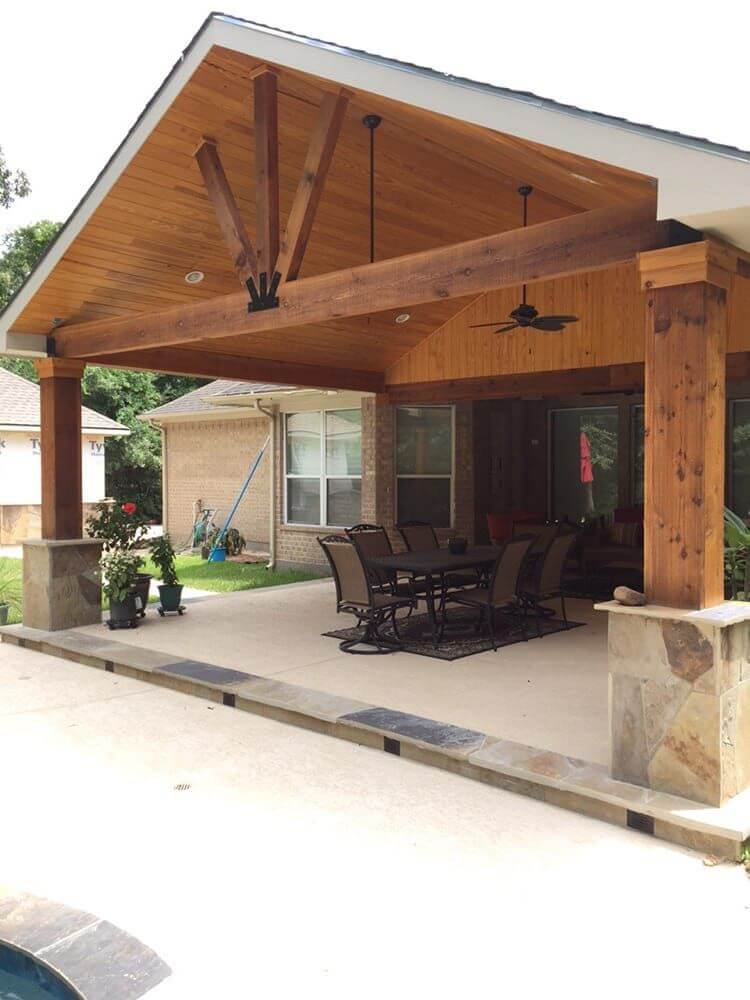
227,213
307,197
208,364
265,108
582,242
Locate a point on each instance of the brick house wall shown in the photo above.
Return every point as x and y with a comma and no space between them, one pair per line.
207,460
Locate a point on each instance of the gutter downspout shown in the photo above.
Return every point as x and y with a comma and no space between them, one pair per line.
271,414
164,483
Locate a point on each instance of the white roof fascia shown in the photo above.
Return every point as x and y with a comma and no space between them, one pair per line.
296,398
225,413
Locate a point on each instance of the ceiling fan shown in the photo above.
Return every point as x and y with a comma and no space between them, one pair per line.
526,315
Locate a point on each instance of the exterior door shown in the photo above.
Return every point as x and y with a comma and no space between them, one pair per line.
500,472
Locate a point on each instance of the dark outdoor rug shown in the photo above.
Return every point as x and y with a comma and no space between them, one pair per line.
459,638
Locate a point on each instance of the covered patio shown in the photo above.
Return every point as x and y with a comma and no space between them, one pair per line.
401,257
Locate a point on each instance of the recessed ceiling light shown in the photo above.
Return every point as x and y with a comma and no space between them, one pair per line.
403,317
193,277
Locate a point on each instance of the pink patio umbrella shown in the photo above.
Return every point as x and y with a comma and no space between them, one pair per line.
587,471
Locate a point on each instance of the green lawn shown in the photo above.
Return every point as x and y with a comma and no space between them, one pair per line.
11,567
196,572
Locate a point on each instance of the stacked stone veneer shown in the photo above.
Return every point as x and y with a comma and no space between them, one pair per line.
61,583
680,704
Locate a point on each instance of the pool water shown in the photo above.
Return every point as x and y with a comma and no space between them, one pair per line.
14,988
23,978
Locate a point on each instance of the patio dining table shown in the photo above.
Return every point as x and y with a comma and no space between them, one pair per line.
433,565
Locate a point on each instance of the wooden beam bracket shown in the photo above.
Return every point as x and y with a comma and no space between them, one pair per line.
227,213
310,189
263,296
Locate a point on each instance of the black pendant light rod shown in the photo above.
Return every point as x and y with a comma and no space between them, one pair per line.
525,190
371,122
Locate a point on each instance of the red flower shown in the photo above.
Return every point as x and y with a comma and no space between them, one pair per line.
128,508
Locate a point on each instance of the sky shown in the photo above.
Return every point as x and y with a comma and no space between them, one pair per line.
75,75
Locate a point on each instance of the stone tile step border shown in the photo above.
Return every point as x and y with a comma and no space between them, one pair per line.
98,960
541,774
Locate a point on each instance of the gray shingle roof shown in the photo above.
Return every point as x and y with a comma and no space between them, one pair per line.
19,406
199,400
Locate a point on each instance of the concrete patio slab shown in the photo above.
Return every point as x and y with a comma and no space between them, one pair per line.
549,692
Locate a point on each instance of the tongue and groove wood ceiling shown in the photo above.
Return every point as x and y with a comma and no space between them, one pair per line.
438,181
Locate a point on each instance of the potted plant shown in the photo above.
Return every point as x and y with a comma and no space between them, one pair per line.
170,588
121,527
736,555
119,575
10,591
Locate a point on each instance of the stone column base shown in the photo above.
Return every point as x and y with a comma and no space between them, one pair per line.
679,699
61,587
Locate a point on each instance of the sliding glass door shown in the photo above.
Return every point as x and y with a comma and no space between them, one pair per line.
584,456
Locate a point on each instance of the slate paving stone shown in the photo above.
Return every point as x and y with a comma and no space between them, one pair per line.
33,924
294,698
440,734
196,670
106,963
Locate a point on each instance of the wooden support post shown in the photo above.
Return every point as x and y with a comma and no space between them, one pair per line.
685,397
60,401
266,170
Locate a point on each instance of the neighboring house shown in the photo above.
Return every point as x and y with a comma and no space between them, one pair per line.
20,451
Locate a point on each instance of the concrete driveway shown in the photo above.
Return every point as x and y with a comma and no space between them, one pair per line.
294,864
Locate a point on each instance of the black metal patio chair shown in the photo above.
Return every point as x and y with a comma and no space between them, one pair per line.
547,581
371,541
355,595
502,593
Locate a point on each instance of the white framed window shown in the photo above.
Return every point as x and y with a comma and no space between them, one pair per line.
323,468
425,464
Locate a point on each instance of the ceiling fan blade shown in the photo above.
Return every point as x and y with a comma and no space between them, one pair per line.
548,323
561,319
507,328
478,326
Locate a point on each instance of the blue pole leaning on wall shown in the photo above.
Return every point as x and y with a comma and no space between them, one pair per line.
218,552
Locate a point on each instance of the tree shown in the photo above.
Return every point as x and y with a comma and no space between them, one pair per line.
21,249
133,463
13,184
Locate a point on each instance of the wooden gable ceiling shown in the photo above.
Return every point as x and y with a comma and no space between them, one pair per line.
438,181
